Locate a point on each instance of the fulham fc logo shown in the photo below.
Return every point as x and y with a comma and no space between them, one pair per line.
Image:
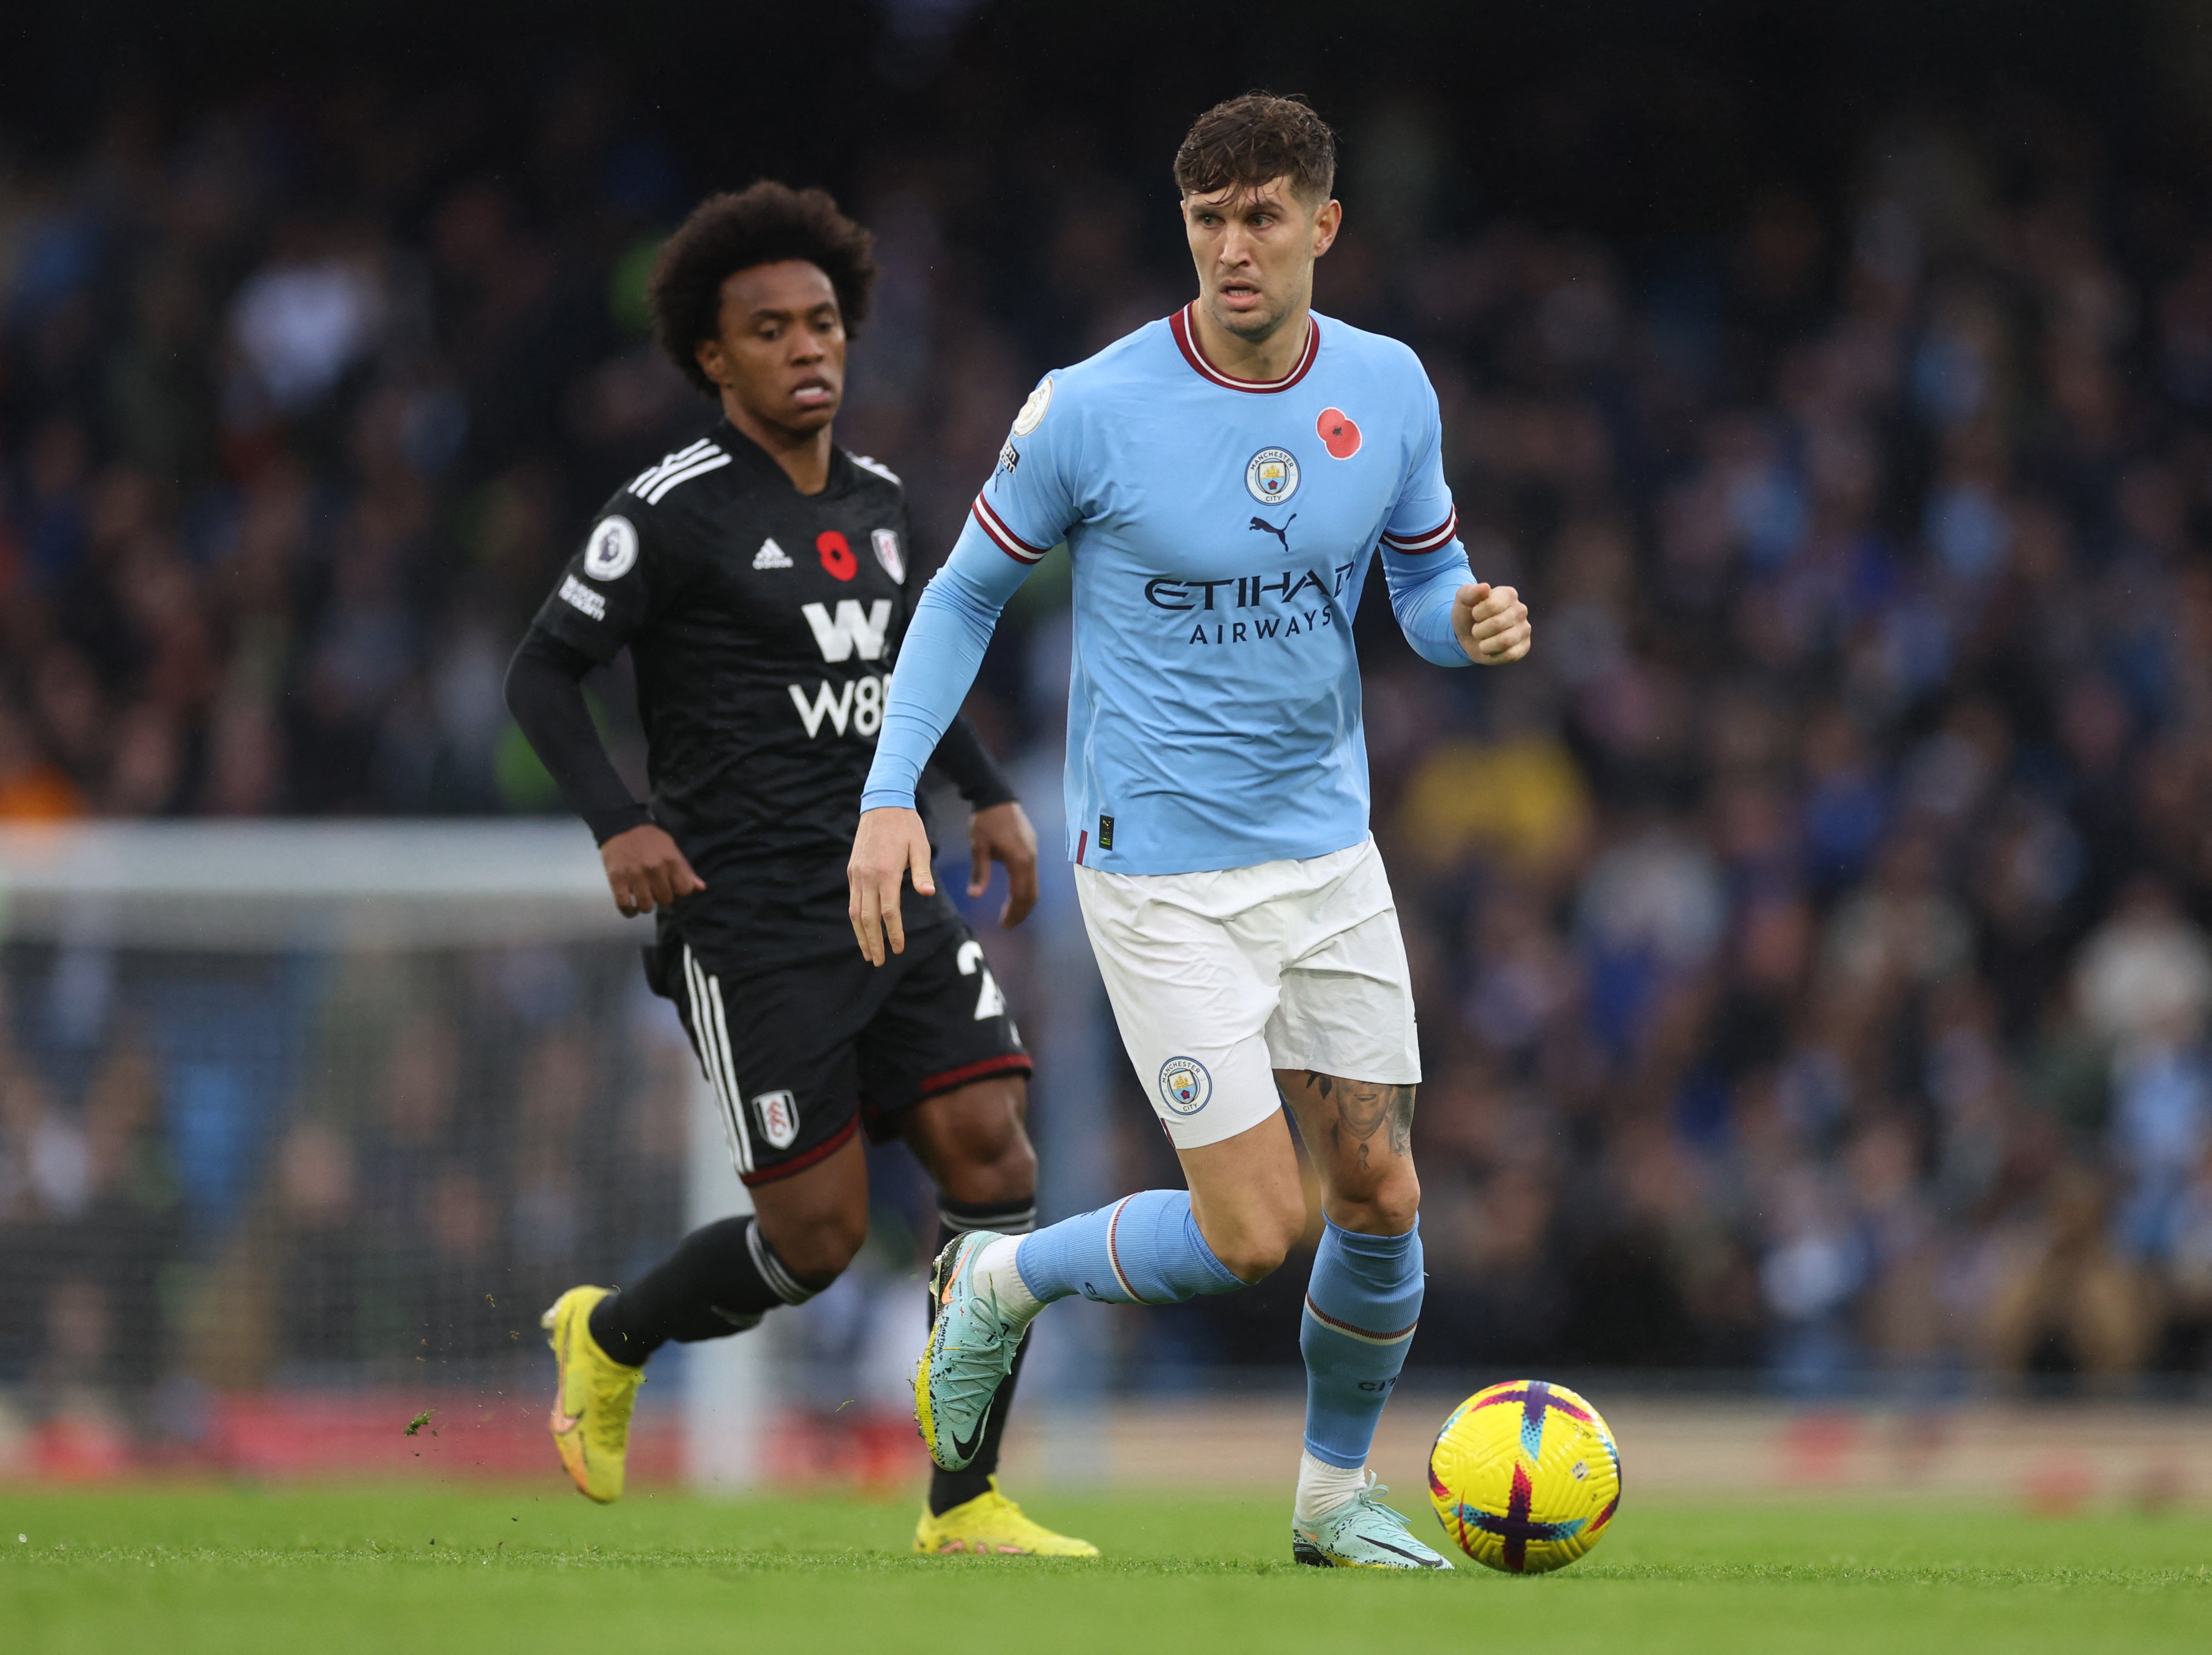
779,1119
888,554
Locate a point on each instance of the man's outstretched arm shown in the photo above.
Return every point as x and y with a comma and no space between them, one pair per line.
943,646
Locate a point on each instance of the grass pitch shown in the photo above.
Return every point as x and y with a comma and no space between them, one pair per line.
323,1571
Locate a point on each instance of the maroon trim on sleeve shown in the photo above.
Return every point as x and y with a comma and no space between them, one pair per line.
1004,538
1429,540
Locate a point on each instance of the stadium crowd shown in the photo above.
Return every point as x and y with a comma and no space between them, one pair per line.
1811,937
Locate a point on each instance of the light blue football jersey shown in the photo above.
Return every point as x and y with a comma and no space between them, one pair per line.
1221,530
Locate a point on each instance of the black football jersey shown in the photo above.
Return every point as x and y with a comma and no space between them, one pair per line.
762,624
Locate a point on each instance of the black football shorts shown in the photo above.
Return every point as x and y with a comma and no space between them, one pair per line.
802,1055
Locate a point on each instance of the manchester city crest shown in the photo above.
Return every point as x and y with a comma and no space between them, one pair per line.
1271,475
1184,1085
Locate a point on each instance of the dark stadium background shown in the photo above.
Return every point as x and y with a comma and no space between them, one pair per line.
1811,941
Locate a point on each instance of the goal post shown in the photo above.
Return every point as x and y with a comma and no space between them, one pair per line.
298,1113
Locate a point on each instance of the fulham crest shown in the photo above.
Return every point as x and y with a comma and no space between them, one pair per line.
888,554
613,548
779,1119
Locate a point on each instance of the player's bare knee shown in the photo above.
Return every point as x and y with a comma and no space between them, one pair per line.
1252,1257
1253,1247
817,1249
972,1142
820,1258
1000,1164
1387,1206
1010,1175
1397,1208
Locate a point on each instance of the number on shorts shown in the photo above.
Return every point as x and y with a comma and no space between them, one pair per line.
990,1003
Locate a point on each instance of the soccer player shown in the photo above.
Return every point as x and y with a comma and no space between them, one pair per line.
1222,479
758,578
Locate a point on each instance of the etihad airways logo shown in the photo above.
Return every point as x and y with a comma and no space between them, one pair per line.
1249,591
1292,605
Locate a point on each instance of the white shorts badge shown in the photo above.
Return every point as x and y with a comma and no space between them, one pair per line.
888,554
779,1119
1033,411
1184,1085
612,550
1271,476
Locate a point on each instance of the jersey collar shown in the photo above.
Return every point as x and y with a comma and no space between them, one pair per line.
1184,325
751,457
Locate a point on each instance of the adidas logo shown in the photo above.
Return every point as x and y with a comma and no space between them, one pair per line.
770,556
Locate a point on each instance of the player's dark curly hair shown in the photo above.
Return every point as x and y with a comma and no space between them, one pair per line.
1244,143
764,224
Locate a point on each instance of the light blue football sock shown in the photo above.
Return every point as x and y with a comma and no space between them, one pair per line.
1143,1250
1362,1305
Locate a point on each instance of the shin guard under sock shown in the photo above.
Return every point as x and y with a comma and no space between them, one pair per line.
721,1279
1145,1249
1361,1305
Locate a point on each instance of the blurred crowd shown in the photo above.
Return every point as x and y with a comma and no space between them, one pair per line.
1813,942
302,1171
1810,939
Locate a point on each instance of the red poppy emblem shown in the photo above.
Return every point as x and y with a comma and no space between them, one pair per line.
1338,433
836,553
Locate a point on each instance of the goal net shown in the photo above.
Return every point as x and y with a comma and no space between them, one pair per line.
301,1127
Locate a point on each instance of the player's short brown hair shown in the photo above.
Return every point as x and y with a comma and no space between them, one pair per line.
764,224
1248,141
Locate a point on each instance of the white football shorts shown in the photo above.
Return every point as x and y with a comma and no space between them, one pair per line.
1219,978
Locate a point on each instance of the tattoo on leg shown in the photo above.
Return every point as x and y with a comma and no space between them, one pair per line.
1364,1109
1401,1120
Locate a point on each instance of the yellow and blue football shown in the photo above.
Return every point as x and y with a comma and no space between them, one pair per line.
1525,1477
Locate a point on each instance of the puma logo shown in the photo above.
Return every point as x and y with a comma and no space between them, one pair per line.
1282,534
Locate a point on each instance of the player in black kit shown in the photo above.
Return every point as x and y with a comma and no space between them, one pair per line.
758,576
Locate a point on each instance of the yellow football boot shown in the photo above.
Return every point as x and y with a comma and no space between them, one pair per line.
592,1409
993,1525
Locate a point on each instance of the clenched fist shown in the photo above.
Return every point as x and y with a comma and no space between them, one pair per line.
1492,624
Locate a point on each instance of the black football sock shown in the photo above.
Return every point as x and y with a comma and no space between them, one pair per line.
721,1279
950,1488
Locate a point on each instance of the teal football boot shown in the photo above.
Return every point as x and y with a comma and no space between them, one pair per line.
1363,1533
970,1351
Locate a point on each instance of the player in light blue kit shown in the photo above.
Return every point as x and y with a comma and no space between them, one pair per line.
1223,479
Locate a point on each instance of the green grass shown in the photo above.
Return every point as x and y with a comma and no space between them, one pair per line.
323,1572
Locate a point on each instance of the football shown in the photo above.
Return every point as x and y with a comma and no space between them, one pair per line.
1525,1477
